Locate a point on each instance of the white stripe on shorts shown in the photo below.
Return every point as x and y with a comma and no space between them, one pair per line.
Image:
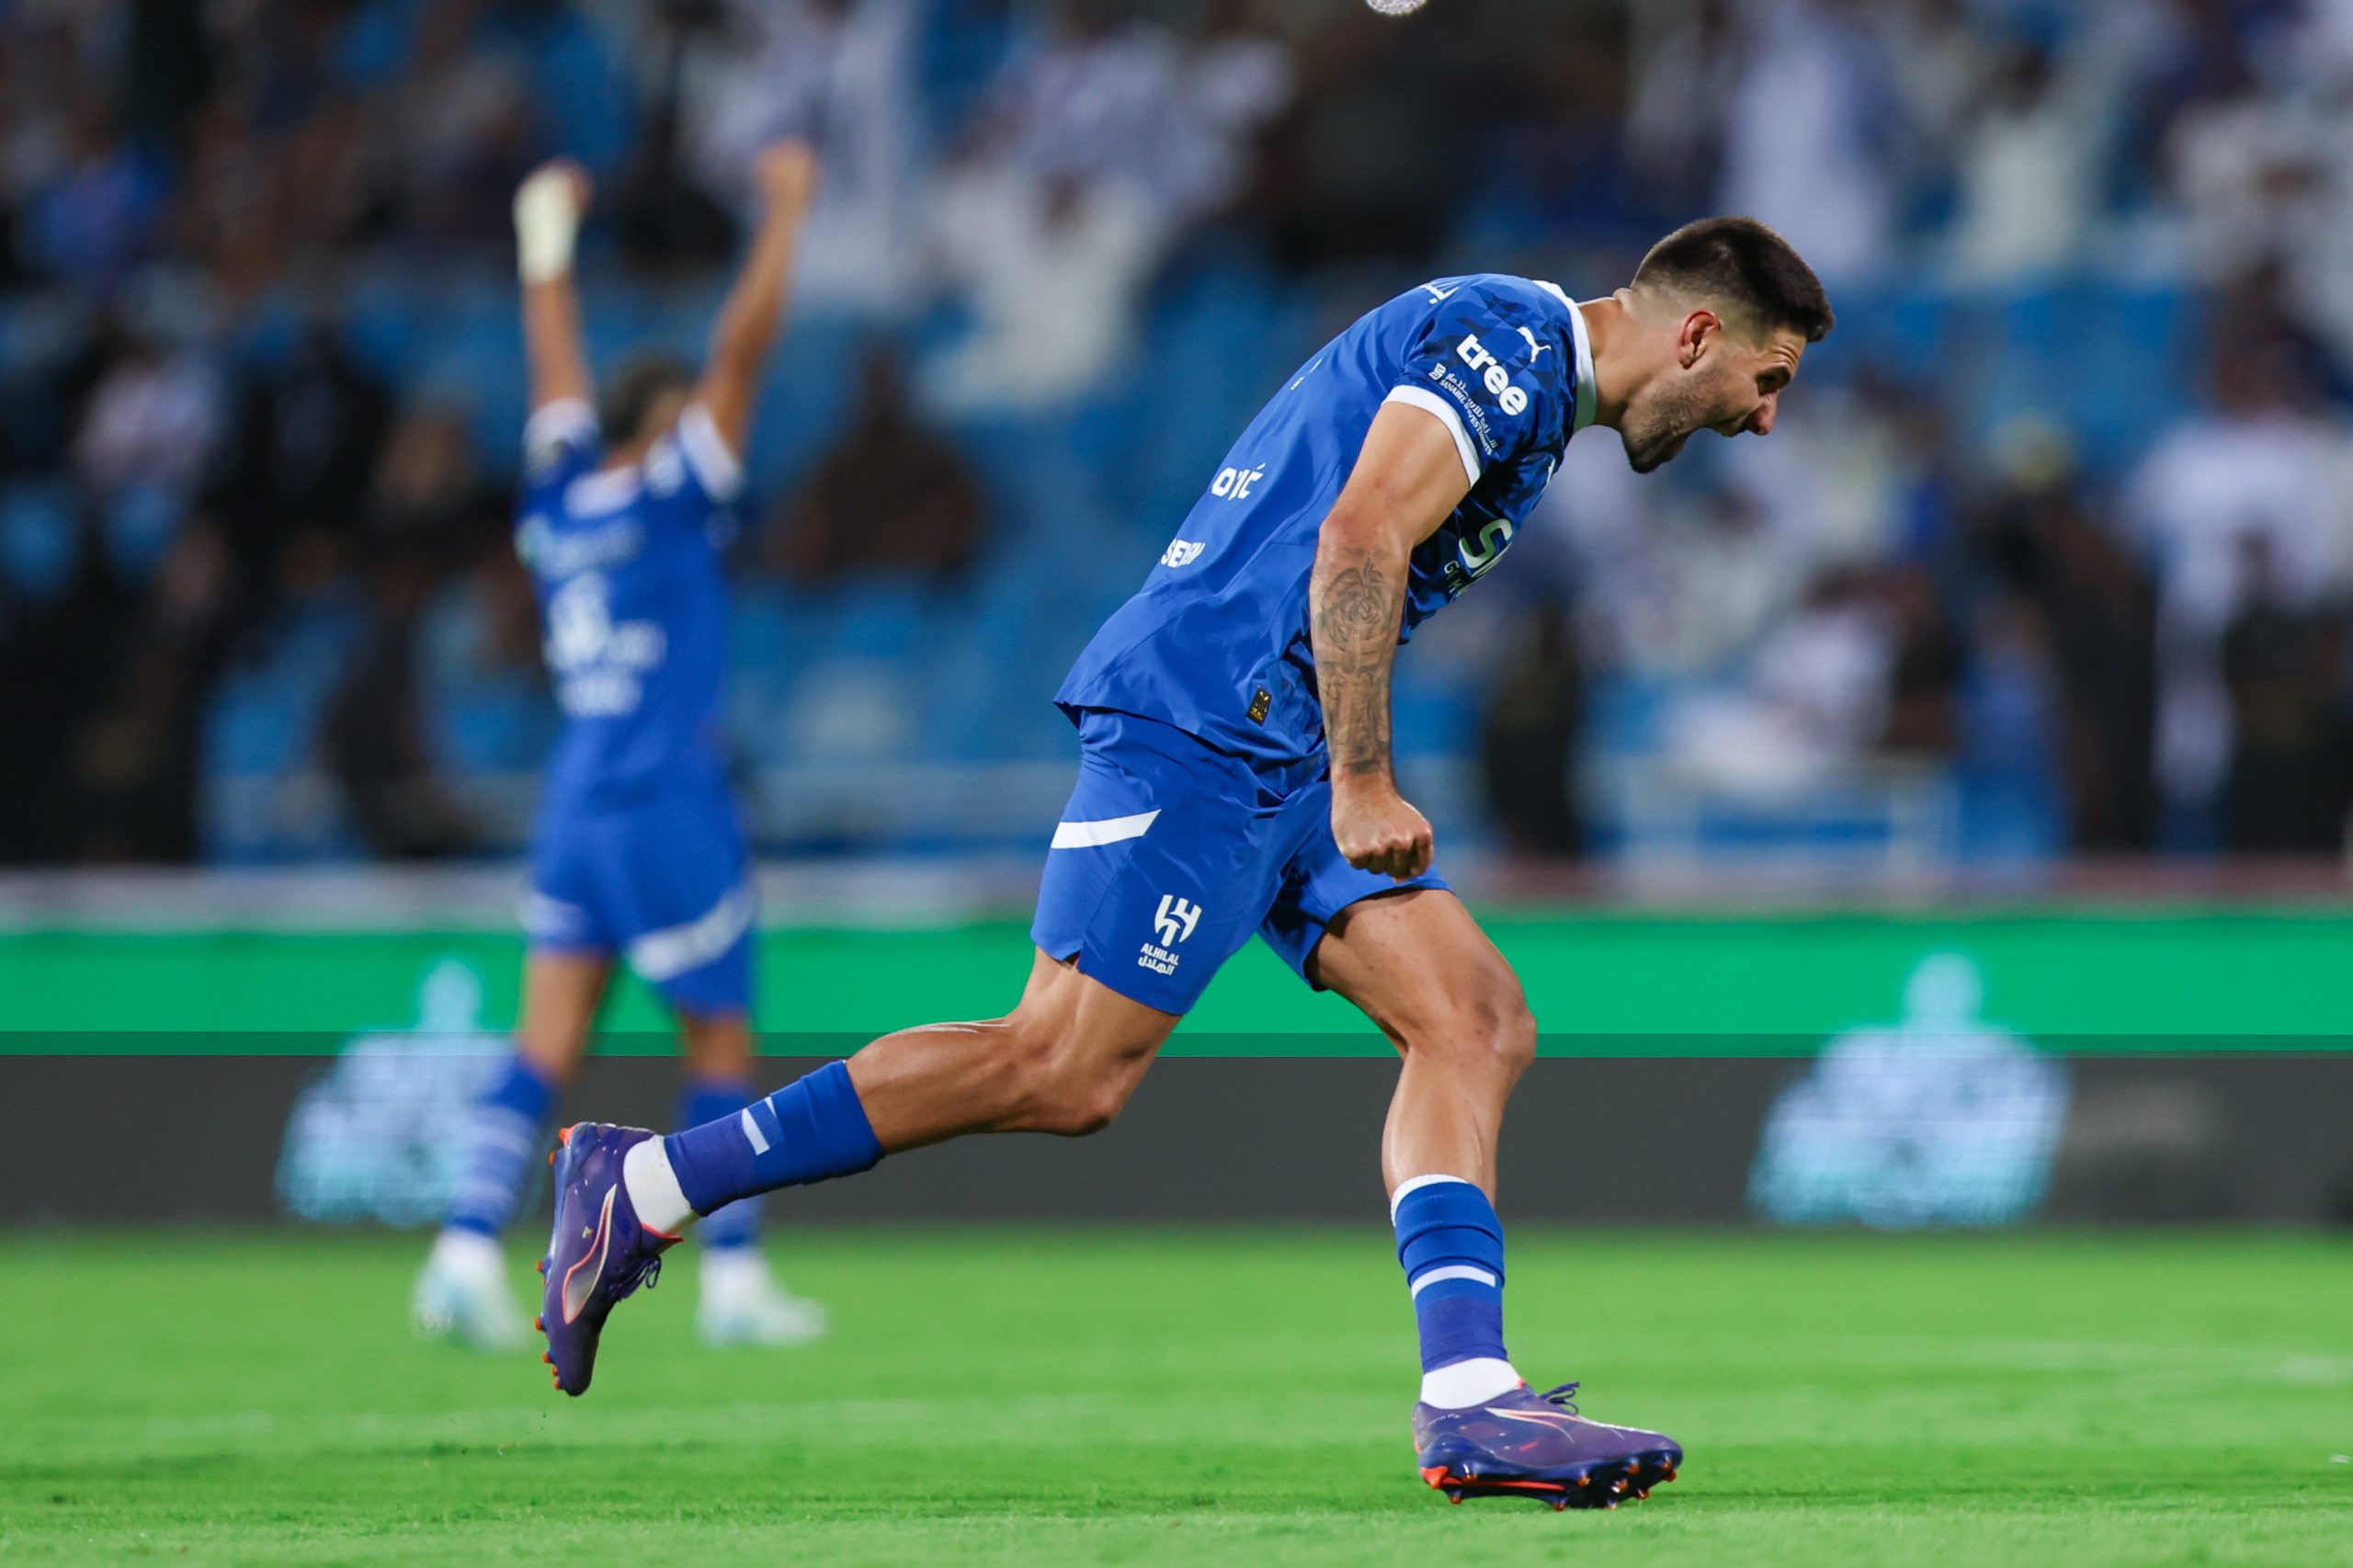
1108,830
674,951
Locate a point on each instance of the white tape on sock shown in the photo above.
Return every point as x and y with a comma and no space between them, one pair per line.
654,1190
1467,1384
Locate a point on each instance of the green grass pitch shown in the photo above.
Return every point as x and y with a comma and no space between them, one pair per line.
1198,1396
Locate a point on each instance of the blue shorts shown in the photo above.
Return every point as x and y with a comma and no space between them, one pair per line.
666,884
1170,853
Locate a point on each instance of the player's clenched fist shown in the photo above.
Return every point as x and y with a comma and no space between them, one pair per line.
786,174
1382,832
558,179
547,206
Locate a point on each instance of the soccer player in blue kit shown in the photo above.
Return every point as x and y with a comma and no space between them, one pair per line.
1234,777
638,851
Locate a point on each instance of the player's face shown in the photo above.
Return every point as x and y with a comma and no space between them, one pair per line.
1730,385
663,411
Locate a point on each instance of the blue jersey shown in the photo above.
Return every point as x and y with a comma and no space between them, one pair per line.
626,565
1216,643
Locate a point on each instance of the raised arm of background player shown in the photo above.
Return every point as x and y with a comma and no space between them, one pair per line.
547,223
786,179
1407,480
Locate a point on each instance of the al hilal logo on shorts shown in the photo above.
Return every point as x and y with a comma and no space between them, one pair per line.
1174,923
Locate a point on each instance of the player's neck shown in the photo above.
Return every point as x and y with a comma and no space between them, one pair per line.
627,455
1617,376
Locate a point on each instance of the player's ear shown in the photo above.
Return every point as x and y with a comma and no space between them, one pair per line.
1699,333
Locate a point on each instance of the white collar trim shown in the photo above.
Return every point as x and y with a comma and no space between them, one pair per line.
1585,395
606,490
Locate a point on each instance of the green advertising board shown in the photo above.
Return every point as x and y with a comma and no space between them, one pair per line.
1610,983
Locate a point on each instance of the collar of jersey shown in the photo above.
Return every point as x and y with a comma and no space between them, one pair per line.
606,490
1585,356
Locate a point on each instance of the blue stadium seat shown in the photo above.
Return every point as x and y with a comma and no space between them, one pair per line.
37,538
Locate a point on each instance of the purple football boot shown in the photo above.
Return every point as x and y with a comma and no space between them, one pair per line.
1526,1444
598,1252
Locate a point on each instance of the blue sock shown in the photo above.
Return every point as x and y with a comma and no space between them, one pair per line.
721,1100
1453,1247
504,1133
812,1129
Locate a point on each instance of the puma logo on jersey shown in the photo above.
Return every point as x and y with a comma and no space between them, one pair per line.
1532,343
1441,295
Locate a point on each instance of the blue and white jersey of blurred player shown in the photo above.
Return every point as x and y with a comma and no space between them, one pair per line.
638,853
640,849
1217,642
626,562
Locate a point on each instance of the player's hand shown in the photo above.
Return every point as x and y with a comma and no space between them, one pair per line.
786,175
1379,830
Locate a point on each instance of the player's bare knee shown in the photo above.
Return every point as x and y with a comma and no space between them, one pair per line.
1512,1037
1063,1083
1489,1029
1079,1094
1026,1074
1082,1108
1012,1077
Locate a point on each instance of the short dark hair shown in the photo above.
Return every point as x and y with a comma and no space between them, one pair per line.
631,393
1745,265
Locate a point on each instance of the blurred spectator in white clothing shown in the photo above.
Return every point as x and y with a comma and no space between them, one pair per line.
1812,133
2260,464
2029,167
151,424
839,73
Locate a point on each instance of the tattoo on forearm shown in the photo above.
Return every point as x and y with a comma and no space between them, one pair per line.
1356,611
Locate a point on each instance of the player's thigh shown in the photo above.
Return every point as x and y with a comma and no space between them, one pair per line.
1161,866
564,913
1420,968
1318,884
1064,1059
677,879
561,993
1078,1020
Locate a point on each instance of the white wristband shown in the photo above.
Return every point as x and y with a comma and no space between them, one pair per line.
546,223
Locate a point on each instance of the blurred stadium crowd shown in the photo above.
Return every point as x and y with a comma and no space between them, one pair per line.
2051,555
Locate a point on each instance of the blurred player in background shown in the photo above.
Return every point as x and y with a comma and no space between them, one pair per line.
1235,776
640,852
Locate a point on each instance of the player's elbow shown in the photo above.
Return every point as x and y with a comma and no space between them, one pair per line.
1353,528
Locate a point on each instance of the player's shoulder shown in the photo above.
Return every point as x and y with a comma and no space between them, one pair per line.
1521,321
1504,296
693,461
560,443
